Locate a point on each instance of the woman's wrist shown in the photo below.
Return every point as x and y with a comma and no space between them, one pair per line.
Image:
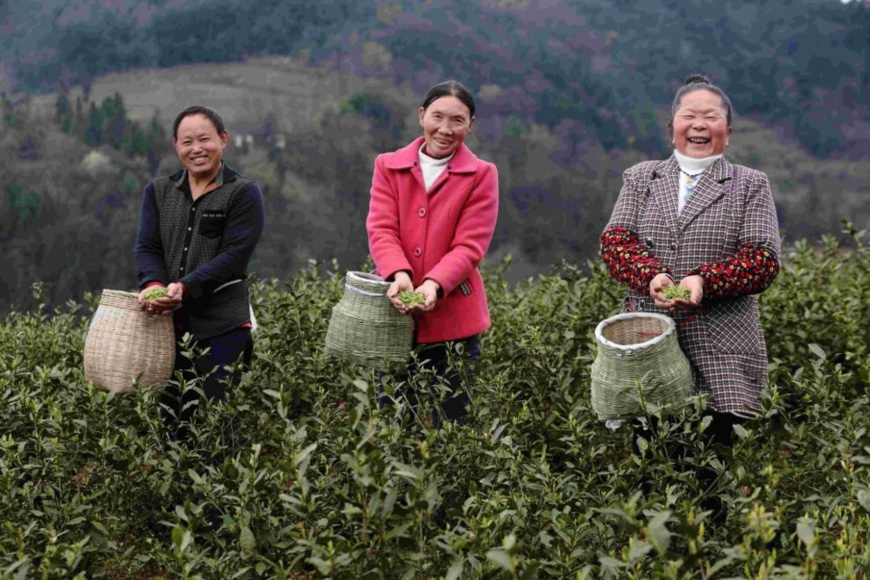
401,276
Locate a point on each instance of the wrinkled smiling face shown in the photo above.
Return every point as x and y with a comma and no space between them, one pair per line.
199,146
700,127
445,122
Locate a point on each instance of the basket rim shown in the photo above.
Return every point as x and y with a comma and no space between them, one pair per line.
359,276
599,336
121,293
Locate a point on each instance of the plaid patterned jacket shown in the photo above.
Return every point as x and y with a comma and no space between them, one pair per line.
730,211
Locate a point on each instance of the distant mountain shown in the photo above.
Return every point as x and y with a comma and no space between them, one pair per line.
594,68
72,171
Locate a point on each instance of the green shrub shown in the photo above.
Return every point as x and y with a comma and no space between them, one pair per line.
300,474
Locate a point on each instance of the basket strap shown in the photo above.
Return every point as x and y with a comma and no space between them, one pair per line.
230,283
695,314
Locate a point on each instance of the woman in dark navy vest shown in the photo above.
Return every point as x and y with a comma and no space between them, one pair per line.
197,231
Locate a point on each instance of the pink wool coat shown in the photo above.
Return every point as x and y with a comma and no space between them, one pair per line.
441,235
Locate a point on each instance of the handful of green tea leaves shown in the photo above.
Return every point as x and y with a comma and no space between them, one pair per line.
411,298
676,293
155,292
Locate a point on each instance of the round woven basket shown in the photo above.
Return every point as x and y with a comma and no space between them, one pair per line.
125,344
365,327
638,356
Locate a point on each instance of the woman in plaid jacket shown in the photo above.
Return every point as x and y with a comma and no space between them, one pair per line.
700,222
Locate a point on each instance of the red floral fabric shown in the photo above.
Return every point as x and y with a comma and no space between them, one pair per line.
628,260
749,271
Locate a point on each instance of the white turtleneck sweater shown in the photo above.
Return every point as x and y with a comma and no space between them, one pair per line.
431,167
690,167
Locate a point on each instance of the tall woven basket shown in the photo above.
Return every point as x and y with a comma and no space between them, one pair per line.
365,327
124,344
638,351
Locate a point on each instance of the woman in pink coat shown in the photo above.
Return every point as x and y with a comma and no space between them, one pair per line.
431,218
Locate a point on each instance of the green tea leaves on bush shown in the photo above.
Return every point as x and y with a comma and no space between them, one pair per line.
300,473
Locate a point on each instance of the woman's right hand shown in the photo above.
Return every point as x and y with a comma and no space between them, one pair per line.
401,283
657,291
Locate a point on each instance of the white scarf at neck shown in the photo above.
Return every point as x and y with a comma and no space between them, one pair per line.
694,166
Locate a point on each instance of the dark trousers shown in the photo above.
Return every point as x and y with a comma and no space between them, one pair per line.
226,349
435,369
719,434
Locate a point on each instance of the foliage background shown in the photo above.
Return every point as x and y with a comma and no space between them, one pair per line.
300,475
570,94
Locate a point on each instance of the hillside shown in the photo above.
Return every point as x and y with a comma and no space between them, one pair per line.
294,95
309,135
245,93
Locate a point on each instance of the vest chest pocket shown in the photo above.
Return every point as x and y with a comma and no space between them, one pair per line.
211,224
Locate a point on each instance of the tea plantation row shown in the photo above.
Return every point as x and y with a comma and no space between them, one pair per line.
302,475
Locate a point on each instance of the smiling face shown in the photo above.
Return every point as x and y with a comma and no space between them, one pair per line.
445,122
199,146
700,127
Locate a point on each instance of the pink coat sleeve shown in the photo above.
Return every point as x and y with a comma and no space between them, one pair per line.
382,225
474,232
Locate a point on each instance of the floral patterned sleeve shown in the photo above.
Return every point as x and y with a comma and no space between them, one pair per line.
749,271
628,260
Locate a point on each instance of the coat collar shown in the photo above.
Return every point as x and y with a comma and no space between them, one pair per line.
464,161
665,183
226,175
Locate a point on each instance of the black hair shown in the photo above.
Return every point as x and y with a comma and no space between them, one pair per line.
700,82
450,88
209,114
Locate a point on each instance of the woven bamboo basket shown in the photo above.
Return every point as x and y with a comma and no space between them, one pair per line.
125,345
365,328
638,351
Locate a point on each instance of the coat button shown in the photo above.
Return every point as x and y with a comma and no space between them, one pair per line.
418,252
674,247
421,212
649,243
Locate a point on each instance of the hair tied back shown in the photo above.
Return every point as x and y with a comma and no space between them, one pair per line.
696,79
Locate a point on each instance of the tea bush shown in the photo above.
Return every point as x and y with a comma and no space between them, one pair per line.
300,474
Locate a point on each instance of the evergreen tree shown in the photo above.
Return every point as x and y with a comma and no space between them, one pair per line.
155,142
63,109
93,131
113,115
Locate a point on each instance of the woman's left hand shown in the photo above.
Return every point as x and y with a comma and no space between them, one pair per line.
695,285
429,290
165,305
